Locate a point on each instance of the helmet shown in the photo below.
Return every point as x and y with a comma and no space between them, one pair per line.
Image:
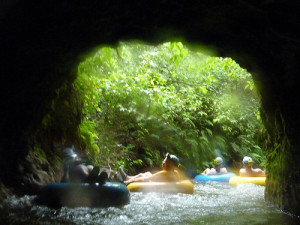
247,160
70,155
173,158
218,161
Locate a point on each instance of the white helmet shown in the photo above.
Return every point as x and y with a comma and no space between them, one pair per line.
70,155
247,160
218,161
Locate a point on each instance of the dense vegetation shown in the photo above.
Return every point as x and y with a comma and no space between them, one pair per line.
141,101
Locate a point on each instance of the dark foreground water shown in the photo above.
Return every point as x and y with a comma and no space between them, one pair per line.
212,203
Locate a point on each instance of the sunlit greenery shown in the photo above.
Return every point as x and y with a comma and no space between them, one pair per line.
141,101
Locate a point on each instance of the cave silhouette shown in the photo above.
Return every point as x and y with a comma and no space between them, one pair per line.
42,42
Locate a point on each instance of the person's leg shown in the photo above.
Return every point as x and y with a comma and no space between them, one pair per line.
115,177
148,174
212,171
102,178
123,174
140,175
93,175
126,177
206,171
89,168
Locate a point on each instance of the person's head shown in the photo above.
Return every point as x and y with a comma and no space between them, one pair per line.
70,156
218,161
170,162
247,162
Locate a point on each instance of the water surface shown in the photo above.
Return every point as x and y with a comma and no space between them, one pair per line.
212,203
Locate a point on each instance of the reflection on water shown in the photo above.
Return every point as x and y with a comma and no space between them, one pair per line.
212,203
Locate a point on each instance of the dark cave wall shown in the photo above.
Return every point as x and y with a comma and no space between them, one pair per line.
43,42
283,173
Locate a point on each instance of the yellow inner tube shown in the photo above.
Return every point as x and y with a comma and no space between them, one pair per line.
184,186
241,180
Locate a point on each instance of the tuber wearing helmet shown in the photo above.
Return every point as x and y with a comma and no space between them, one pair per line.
218,161
247,161
172,158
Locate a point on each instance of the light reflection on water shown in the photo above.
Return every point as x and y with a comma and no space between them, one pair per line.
212,203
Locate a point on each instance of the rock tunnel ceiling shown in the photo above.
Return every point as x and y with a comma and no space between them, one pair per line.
43,42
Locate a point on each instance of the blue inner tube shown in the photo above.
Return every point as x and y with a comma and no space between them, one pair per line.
83,194
217,177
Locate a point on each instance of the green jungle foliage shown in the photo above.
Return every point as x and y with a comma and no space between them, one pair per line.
142,101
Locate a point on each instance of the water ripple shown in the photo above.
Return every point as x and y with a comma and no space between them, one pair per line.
212,203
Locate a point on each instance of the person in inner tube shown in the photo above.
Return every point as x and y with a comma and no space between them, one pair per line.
169,172
76,171
248,171
219,169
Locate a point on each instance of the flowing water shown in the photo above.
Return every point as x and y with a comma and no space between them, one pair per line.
212,203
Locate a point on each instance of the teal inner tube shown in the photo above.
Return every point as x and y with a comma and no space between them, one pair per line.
217,177
83,194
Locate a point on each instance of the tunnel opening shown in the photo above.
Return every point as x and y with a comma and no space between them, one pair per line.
140,101
41,49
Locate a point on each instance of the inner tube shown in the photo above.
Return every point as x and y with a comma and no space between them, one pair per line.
216,177
83,194
184,186
254,180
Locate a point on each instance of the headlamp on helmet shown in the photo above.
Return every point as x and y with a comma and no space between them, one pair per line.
70,156
247,161
218,161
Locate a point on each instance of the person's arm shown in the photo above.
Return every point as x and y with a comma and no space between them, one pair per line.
259,173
